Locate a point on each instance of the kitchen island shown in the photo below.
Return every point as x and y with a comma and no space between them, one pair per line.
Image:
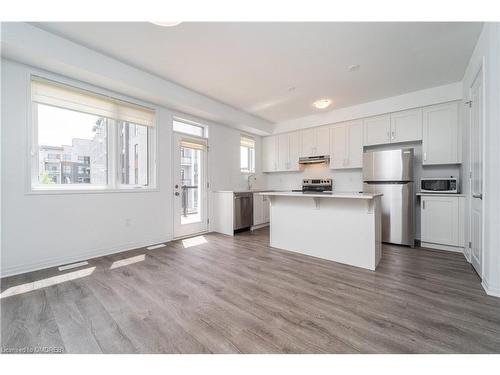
343,227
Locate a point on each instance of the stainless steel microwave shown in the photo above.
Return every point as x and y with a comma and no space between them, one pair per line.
439,185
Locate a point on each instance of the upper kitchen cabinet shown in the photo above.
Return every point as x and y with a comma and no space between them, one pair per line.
406,126
377,130
281,152
293,151
288,152
441,136
270,154
346,141
315,142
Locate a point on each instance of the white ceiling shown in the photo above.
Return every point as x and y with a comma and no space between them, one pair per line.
253,66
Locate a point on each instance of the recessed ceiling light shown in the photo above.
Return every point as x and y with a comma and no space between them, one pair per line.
322,103
290,89
354,67
166,23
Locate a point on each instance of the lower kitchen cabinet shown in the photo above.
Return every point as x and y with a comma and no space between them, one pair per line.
260,209
442,221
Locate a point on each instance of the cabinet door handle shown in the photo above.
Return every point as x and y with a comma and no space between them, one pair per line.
423,204
425,156
393,135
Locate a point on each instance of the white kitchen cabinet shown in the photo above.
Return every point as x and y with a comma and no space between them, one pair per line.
293,151
270,154
377,130
288,152
441,136
442,221
315,141
283,157
346,141
265,208
260,209
307,142
281,153
406,126
323,141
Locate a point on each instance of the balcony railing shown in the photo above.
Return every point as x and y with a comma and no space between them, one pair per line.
189,205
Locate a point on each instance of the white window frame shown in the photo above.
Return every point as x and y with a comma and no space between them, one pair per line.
251,161
113,160
190,122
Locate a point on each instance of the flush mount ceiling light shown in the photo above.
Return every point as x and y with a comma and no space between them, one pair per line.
322,103
353,68
166,23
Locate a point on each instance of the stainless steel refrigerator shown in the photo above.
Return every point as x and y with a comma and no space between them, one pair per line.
390,173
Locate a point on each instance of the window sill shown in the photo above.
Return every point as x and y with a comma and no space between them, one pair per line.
95,190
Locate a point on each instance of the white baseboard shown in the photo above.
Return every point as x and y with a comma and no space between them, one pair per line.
254,227
429,245
58,261
489,289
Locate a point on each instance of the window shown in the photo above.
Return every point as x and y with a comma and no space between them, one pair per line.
80,132
247,154
134,154
186,127
74,130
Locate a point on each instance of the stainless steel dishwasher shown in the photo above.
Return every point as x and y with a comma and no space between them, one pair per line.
243,211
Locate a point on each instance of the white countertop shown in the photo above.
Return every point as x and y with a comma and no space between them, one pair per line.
244,191
441,194
348,195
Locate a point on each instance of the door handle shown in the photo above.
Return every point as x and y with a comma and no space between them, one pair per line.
480,196
176,186
177,193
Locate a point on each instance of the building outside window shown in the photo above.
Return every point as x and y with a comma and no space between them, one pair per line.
247,154
134,154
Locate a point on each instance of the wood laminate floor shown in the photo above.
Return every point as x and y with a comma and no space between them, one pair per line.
238,295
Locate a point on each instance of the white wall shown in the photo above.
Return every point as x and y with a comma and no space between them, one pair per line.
42,230
487,47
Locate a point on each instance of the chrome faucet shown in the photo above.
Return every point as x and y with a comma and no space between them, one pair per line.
249,177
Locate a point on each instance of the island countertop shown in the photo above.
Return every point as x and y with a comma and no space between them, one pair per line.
348,195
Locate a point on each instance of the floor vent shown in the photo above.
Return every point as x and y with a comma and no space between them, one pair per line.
156,246
73,265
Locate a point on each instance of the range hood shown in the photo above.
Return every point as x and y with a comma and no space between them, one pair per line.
320,159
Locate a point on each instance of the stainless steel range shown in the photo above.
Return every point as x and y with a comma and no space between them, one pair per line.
322,185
